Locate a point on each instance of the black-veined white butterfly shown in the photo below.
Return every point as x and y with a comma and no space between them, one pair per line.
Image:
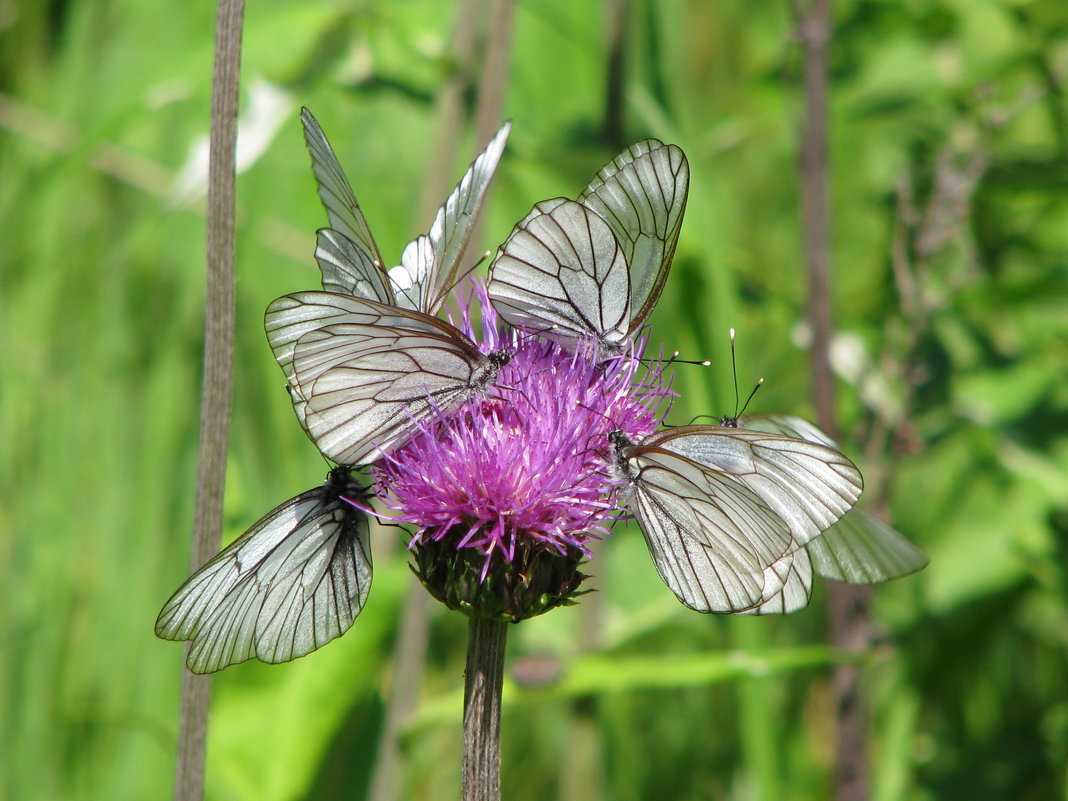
430,266
291,583
594,269
726,512
362,374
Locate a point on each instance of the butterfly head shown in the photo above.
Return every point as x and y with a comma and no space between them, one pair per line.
499,358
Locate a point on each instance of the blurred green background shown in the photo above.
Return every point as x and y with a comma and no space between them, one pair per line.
950,246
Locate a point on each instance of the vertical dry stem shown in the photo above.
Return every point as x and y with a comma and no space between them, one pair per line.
848,605
218,379
483,681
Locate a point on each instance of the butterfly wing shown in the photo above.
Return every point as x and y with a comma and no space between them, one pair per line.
595,268
291,583
641,194
342,209
431,265
364,374
562,273
787,585
859,548
712,539
809,485
348,269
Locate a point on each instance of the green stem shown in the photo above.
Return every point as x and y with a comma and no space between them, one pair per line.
482,710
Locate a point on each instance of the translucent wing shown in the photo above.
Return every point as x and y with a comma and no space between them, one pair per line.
562,273
595,268
792,575
641,194
859,548
347,268
431,265
342,210
809,485
294,581
712,539
362,374
788,425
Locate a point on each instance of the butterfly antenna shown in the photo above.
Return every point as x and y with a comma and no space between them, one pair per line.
759,384
734,372
738,412
674,359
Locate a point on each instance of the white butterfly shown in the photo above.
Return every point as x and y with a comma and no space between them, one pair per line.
430,265
594,269
363,374
291,583
726,512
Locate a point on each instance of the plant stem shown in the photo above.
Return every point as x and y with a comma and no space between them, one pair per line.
482,710
848,605
218,379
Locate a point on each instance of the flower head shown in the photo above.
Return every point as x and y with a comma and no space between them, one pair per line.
517,478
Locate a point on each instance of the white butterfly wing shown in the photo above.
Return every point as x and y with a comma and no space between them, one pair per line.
338,199
348,269
294,581
363,374
859,548
810,486
562,273
711,538
431,265
641,194
595,268
787,585
788,425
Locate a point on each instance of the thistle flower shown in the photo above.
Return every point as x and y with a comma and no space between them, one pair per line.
507,492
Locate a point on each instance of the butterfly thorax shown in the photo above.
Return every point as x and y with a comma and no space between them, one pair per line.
620,441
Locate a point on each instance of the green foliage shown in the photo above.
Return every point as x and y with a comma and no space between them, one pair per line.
949,177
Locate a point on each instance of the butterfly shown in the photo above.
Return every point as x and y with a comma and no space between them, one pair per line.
430,267
291,583
726,511
363,375
593,269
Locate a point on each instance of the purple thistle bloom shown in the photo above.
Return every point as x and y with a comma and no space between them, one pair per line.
522,471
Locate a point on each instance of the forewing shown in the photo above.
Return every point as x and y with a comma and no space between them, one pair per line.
711,538
431,265
294,581
349,269
862,549
342,210
364,374
561,273
810,486
642,193
788,425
